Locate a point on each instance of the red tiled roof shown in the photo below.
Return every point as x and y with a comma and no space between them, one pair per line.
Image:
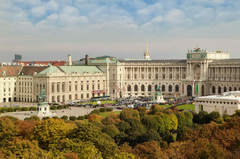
9,70
29,70
53,63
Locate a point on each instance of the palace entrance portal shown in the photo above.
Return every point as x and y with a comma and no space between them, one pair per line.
189,90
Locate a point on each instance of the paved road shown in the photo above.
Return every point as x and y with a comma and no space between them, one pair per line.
74,111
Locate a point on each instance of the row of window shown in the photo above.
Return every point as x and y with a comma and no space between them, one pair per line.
135,88
156,76
219,89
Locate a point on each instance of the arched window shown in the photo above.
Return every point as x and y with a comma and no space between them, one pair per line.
43,86
70,96
135,88
81,96
225,89
63,87
170,88
149,88
76,96
129,88
156,87
235,88
163,88
219,90
142,88
230,88
53,99
213,89
52,87
176,88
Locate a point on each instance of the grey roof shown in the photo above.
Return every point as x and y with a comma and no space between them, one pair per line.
226,61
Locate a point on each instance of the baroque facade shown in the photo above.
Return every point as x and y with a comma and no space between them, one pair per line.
201,73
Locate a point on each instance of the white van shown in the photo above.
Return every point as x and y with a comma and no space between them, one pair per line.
130,106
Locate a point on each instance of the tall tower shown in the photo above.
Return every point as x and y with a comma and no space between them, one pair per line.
146,53
69,60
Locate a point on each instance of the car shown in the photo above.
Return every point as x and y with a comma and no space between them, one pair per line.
103,105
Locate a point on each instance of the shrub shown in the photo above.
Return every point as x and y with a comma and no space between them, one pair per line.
60,107
24,108
86,116
17,108
2,110
64,117
103,109
109,109
80,117
45,118
96,111
10,109
55,117
53,107
33,108
66,106
73,118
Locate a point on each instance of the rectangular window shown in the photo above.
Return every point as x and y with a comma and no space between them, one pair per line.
93,87
75,88
81,87
98,86
70,88
87,87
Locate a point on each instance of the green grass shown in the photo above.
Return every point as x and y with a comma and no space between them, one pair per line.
185,106
105,114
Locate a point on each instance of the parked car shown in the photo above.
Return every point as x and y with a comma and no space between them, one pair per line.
103,105
130,106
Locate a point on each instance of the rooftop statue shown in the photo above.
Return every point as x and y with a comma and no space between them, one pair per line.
42,96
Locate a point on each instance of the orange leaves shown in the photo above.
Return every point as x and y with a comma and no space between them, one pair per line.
94,117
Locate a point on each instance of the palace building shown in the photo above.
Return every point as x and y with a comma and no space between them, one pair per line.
201,73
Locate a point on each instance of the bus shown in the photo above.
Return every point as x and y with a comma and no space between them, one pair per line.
101,98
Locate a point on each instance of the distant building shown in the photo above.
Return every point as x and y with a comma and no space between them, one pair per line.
201,73
227,103
18,58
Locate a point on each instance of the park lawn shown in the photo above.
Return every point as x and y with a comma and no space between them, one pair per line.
102,102
105,114
185,106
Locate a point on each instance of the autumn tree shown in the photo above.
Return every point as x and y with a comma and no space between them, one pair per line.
129,113
111,130
112,118
94,117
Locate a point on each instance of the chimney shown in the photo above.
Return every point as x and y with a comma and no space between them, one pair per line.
69,60
87,60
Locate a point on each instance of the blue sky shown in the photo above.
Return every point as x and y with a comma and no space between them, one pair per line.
52,29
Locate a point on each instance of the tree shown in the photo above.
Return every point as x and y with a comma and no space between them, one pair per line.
129,113
173,121
150,122
123,126
149,150
111,130
214,115
94,117
181,120
111,119
188,118
142,111
90,133
48,132
150,135
8,131
155,109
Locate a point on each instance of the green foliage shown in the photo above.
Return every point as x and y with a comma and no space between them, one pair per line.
90,133
181,120
80,117
8,131
166,136
237,112
129,113
214,115
202,117
150,122
24,108
155,109
95,111
2,110
219,120
123,126
33,108
60,107
151,135
17,108
111,130
65,117
188,118
10,109
142,111
173,121
13,119
167,122
102,109
65,106
72,118
33,118
49,132
109,109
45,118
53,107
55,117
